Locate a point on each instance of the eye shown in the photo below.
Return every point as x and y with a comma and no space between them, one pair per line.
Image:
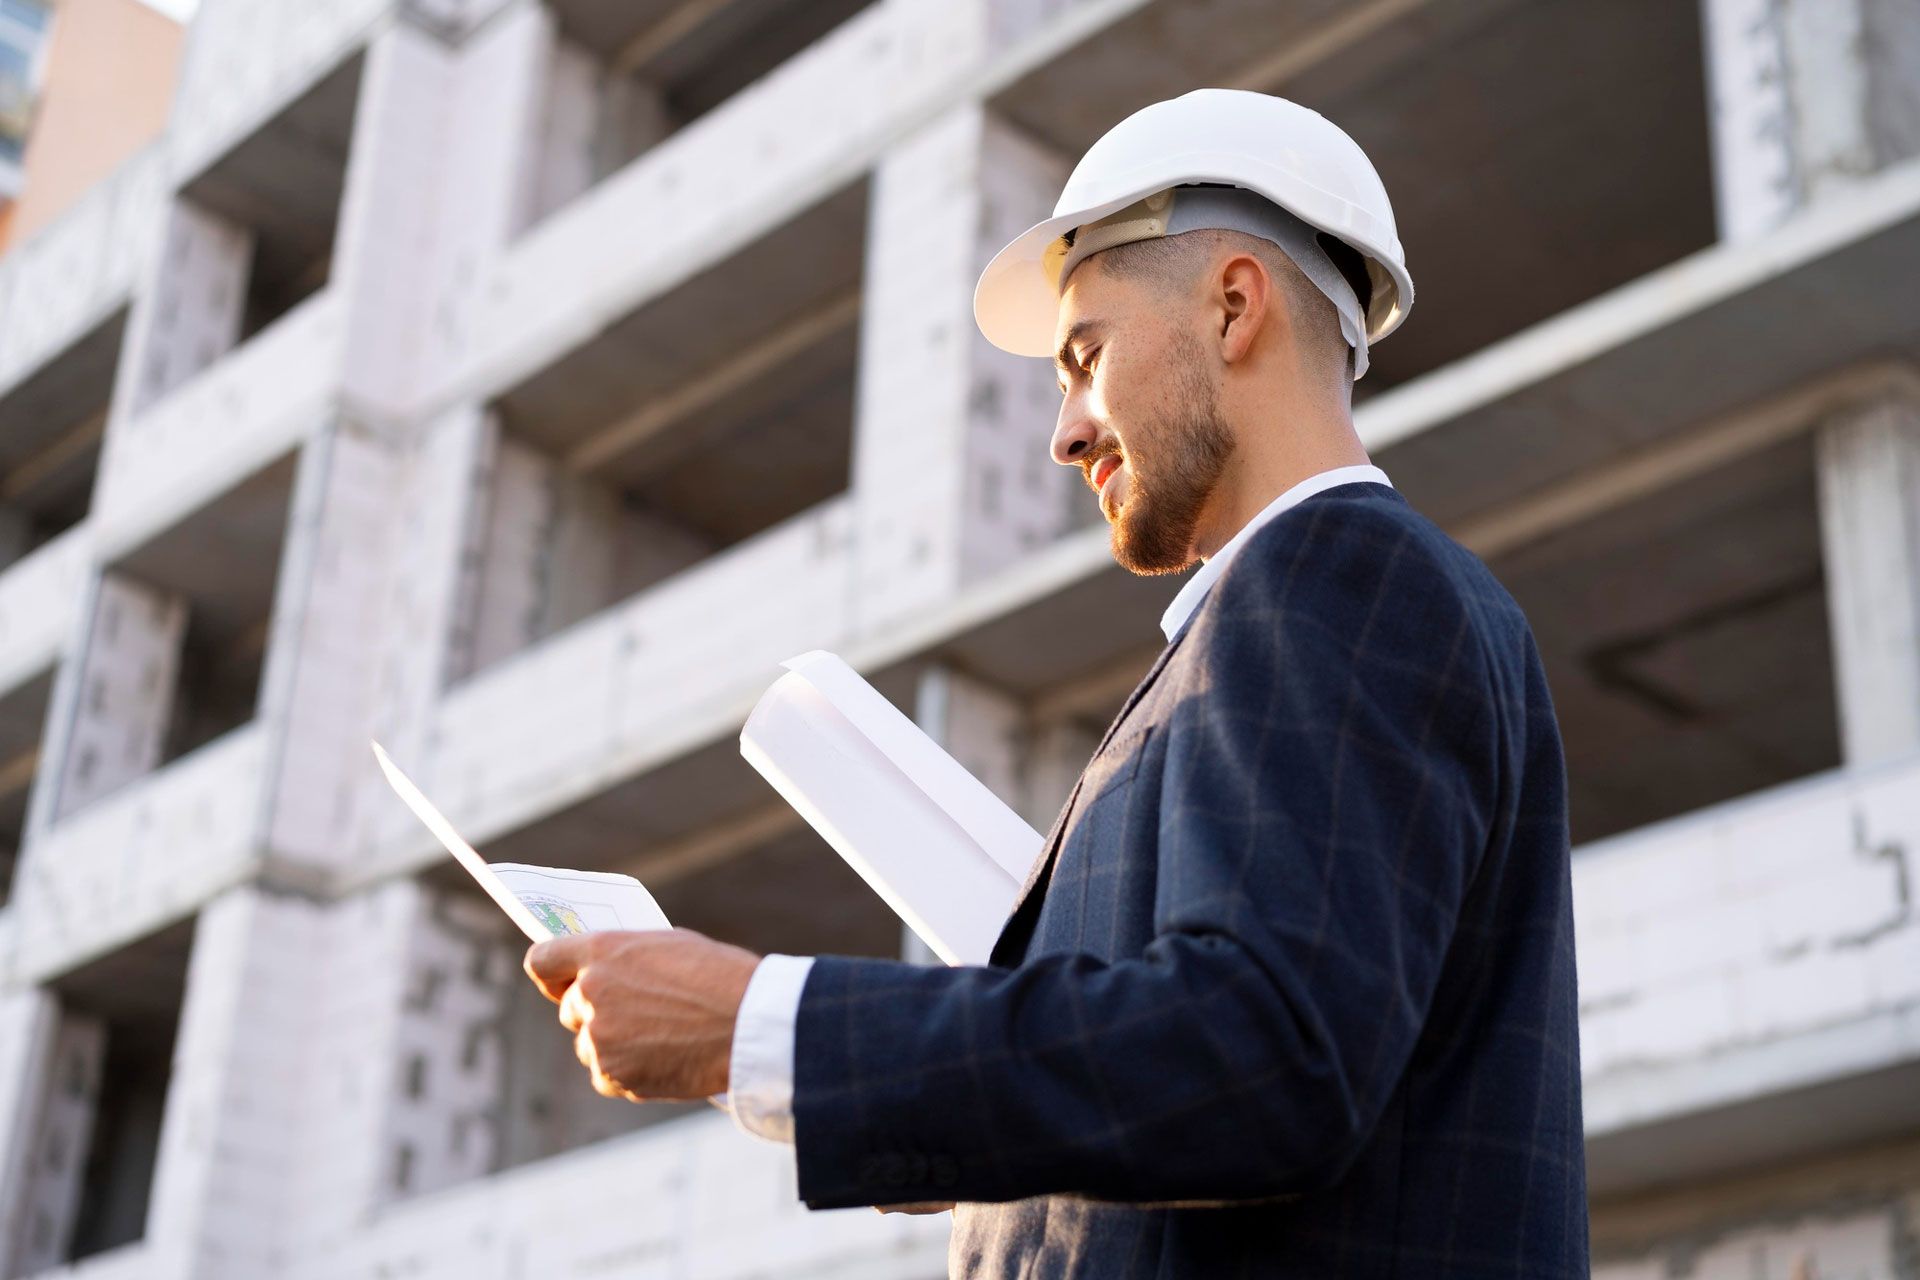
1091,359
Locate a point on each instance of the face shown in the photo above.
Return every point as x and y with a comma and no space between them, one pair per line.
1140,416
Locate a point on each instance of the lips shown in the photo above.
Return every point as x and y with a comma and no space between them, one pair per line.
1103,469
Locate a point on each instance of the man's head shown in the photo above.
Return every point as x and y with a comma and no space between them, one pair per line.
1223,261
1176,355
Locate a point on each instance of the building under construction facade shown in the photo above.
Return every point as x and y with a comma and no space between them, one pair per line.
519,382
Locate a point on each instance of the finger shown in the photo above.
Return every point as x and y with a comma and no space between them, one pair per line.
583,1050
574,1009
607,1087
553,964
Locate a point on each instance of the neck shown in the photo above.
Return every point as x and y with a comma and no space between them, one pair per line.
1269,460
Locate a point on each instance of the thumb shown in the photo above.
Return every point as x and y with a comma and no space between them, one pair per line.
554,964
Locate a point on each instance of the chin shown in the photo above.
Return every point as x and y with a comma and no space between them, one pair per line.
1146,551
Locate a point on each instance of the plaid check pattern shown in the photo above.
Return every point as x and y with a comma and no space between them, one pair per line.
1291,992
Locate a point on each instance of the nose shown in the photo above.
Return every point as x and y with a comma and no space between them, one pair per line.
1073,434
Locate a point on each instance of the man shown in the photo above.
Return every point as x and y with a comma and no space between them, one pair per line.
1290,991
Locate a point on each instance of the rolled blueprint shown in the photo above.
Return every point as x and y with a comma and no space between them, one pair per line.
942,851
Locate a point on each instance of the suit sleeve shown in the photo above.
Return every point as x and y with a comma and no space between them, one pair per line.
1324,805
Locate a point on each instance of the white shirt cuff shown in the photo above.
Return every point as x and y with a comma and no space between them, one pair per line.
760,1074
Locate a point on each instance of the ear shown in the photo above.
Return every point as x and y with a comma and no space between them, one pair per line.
1245,295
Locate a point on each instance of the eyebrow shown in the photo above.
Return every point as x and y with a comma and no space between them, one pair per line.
1063,359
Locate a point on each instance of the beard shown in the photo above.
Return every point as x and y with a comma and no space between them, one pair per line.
1169,482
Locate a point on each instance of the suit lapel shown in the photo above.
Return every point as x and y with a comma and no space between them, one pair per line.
1140,689
1043,865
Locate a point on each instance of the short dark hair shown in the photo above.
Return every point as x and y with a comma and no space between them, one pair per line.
1171,262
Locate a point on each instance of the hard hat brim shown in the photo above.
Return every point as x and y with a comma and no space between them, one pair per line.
1017,305
1016,301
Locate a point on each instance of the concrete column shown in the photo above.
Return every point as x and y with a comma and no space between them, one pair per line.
187,312
1017,498
244,1096
436,570
116,711
1806,96
493,102
385,249
951,479
318,691
1869,473
351,1040
28,1018
305,1097
453,20
985,730
57,1143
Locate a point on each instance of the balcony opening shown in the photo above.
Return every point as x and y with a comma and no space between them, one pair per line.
222,562
97,1132
1685,637
23,717
704,417
1469,114
623,77
51,426
179,637
252,234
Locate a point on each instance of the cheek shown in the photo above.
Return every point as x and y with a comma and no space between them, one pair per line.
1100,399
1131,393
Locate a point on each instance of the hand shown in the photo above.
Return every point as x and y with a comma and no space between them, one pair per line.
920,1206
652,1012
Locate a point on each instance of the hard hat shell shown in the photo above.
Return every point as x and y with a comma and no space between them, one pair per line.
1290,154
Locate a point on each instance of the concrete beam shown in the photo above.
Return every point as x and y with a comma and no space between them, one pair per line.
1699,450
1270,72
663,33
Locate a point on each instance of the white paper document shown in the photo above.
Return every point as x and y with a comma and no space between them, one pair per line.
945,853
544,902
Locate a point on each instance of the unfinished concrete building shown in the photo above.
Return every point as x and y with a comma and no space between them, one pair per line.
520,381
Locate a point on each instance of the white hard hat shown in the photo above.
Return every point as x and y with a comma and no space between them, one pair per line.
1292,156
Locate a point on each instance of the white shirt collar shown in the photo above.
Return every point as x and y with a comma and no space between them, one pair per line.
1197,586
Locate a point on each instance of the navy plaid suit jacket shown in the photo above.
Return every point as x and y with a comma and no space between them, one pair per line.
1290,992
